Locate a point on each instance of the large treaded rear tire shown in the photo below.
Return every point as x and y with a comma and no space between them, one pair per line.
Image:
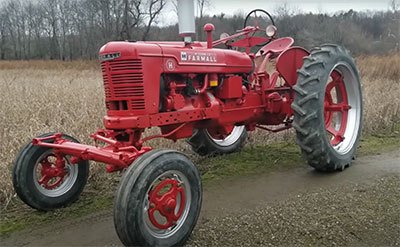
309,109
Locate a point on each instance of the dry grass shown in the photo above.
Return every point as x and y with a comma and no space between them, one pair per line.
43,96
49,65
381,88
380,67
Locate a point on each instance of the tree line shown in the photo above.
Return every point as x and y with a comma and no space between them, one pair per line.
71,29
76,29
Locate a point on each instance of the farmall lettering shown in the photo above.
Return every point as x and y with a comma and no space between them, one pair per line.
198,57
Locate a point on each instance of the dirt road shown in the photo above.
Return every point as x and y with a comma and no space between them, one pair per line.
360,206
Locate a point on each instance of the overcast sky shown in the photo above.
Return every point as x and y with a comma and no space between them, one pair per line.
315,6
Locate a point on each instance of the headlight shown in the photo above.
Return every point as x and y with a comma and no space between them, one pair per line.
223,36
271,31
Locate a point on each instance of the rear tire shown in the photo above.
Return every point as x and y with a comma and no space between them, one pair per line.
158,200
328,108
26,178
204,144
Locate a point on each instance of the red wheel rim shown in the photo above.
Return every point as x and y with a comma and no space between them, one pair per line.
167,204
336,108
214,133
54,175
52,172
227,140
167,198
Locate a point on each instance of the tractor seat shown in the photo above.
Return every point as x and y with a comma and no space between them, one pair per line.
276,46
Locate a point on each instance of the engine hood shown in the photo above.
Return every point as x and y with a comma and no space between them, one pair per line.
118,49
178,58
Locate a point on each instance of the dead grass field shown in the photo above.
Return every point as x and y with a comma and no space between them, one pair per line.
43,96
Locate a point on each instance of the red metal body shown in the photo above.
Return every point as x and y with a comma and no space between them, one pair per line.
181,87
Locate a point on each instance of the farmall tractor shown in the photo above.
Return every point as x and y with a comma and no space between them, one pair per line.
210,96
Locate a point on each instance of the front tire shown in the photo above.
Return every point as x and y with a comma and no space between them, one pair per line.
203,143
328,108
158,200
37,183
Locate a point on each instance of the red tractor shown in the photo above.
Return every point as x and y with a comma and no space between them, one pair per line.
211,96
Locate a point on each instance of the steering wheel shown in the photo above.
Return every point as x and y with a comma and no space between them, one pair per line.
259,17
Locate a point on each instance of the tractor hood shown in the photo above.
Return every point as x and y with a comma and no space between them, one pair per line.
178,58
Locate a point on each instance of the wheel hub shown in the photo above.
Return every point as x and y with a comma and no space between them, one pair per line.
52,171
169,206
168,199
336,108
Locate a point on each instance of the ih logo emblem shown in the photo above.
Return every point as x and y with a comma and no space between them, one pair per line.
183,56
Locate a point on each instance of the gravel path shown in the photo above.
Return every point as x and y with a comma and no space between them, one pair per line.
346,215
298,207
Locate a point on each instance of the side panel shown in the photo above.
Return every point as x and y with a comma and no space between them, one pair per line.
231,88
152,69
131,78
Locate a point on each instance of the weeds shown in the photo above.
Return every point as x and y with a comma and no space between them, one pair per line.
43,96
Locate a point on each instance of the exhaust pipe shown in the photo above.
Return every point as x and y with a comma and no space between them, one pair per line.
186,20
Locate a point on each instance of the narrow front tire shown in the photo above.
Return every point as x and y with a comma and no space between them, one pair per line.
41,184
158,200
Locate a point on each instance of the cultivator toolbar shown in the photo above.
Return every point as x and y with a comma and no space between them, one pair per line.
116,155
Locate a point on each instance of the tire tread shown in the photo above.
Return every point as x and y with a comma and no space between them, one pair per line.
309,91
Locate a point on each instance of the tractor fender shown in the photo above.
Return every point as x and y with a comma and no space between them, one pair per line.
289,61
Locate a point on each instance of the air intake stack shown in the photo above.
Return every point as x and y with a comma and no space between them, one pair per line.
186,19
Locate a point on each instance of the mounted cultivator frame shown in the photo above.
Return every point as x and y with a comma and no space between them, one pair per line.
116,155
212,97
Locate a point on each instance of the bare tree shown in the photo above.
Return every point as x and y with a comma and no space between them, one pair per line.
154,9
202,6
285,9
175,4
14,25
2,34
65,21
71,29
105,10
126,27
132,16
394,5
50,8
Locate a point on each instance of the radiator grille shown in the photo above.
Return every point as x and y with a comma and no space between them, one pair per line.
123,84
